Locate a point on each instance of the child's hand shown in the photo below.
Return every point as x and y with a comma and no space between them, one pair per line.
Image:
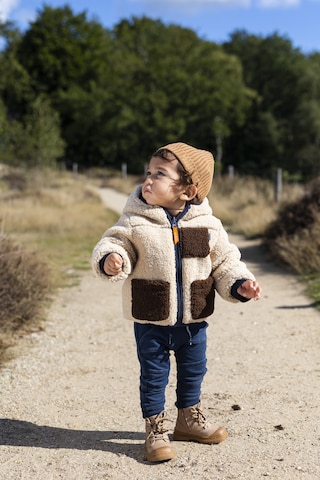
250,289
113,264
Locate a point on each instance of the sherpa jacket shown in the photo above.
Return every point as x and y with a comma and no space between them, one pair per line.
171,265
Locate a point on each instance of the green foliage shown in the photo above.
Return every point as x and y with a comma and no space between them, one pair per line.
313,287
43,126
89,130
35,139
70,58
61,48
29,126
15,82
115,96
171,86
282,127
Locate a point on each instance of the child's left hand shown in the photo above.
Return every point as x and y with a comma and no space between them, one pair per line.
250,289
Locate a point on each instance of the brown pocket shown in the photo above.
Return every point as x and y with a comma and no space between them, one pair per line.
202,298
150,299
194,242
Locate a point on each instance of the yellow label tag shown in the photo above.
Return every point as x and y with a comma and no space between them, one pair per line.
175,235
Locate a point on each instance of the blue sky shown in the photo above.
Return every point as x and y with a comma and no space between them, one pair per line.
214,20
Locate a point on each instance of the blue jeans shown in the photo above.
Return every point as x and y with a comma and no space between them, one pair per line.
189,343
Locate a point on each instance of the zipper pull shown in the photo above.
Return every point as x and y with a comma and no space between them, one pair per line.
175,233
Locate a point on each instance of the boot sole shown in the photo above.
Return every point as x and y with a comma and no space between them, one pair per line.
183,437
162,454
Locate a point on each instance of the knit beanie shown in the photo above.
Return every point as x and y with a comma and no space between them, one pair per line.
198,163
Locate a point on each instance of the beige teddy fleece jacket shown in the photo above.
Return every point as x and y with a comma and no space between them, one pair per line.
166,280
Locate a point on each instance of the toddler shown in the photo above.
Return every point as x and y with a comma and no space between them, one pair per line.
173,254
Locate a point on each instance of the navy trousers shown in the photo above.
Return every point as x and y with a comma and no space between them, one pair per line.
154,343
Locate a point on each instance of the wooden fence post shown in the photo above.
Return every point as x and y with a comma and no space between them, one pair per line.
75,169
124,170
231,172
278,185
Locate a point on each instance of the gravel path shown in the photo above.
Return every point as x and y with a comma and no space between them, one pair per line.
69,403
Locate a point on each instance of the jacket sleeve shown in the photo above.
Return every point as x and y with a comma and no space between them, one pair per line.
116,239
227,267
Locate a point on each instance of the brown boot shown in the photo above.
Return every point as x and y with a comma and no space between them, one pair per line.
157,445
193,425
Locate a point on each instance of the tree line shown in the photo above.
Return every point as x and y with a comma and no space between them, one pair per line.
73,91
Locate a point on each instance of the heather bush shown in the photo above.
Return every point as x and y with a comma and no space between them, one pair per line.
56,215
24,287
293,238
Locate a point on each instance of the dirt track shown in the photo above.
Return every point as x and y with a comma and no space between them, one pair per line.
69,403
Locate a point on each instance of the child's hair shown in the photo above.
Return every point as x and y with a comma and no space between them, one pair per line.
185,177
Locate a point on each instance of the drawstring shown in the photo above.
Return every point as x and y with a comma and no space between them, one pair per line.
189,333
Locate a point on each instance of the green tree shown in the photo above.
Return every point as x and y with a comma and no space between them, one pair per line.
33,141
29,127
173,86
15,83
89,129
68,57
306,121
3,140
61,48
285,113
123,93
43,126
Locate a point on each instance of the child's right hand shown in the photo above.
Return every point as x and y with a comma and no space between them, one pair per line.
113,264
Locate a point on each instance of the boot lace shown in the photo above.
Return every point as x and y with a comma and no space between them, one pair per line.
158,428
199,416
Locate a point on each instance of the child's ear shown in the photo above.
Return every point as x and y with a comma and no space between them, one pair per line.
189,193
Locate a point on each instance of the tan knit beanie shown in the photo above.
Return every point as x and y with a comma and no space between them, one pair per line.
198,163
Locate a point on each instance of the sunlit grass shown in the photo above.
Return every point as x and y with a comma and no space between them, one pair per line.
62,222
50,223
246,205
313,287
58,216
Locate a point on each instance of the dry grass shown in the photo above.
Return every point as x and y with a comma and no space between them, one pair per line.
293,238
52,221
62,219
123,185
247,205
57,216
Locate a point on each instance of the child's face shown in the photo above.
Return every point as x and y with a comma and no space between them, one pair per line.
162,186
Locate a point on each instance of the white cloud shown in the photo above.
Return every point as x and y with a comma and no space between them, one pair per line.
6,6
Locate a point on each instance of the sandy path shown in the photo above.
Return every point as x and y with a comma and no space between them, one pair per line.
69,403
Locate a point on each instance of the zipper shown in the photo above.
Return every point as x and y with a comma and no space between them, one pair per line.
176,243
178,262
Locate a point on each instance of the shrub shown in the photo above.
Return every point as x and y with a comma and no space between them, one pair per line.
247,205
23,288
293,238
58,216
